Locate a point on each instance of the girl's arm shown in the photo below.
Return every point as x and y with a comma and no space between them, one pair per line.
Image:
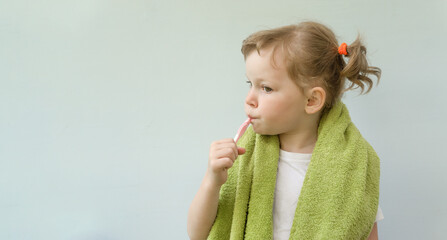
203,210
374,233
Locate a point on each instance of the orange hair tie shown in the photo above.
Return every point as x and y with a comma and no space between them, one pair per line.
343,49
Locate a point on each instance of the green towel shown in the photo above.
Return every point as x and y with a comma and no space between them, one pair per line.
340,194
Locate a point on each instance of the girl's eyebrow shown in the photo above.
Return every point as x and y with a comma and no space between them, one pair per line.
257,79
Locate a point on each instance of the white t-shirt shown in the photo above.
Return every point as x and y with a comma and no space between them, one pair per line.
292,169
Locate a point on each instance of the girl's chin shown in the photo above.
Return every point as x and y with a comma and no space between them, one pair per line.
261,131
255,128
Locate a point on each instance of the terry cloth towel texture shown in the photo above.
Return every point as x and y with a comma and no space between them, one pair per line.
340,193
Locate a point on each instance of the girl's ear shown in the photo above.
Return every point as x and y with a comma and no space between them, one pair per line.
315,100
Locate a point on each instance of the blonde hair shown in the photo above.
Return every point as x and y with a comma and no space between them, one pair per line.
312,58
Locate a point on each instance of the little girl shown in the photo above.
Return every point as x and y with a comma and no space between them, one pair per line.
304,171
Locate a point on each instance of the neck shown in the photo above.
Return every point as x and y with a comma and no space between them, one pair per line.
302,140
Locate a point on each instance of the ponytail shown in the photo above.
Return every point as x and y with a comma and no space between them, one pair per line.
357,68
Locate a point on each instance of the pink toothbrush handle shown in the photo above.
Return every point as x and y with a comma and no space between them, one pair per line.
242,129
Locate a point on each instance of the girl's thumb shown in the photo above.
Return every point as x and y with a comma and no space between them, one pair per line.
240,150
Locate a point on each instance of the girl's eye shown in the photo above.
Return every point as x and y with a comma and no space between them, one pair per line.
267,89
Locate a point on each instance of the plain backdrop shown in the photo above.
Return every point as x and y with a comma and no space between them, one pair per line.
108,109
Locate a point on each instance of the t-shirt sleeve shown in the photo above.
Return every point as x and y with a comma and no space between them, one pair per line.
379,215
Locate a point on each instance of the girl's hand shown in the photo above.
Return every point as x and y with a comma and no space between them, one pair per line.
223,153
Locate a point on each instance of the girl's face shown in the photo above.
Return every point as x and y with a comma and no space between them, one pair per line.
274,102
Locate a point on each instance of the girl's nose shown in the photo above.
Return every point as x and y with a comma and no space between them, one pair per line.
250,100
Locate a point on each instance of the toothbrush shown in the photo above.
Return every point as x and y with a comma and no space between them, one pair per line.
242,129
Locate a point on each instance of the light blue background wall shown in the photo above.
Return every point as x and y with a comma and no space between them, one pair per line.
108,109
